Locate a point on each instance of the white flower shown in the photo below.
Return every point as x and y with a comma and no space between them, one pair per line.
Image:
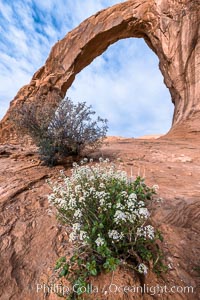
92,189
124,193
119,205
83,235
102,185
77,188
72,236
141,204
155,187
102,202
115,235
101,194
150,231
91,160
72,202
109,204
81,199
132,196
131,202
131,217
51,198
67,181
100,159
99,241
119,216
85,194
106,160
61,202
146,232
142,269
76,226
78,213
55,189
143,212
159,200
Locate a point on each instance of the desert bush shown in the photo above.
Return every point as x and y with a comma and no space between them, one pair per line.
63,132
109,222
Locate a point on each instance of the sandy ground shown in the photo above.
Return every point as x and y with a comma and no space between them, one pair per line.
31,239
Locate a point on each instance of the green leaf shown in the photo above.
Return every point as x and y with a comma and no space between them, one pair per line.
64,271
60,262
58,265
93,230
93,272
73,258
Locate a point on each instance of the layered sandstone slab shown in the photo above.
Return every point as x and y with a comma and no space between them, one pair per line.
31,239
169,27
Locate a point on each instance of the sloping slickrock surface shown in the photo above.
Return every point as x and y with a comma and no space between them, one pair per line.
31,239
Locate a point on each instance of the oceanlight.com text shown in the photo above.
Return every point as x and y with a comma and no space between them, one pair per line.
114,289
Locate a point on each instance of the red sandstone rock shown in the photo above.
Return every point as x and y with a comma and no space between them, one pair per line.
31,238
170,28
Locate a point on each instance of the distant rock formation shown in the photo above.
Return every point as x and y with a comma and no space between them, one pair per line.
169,27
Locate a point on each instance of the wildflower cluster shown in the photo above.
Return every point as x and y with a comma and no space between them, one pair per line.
109,220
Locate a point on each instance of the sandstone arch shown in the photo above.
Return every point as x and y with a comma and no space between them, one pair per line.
169,27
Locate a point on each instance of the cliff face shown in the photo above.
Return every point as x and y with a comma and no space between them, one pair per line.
170,28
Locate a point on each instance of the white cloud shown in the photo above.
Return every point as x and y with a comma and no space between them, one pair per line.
124,84
6,11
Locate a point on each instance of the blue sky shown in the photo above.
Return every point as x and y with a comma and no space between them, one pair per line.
123,85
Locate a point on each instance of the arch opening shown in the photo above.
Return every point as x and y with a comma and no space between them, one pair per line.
125,85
